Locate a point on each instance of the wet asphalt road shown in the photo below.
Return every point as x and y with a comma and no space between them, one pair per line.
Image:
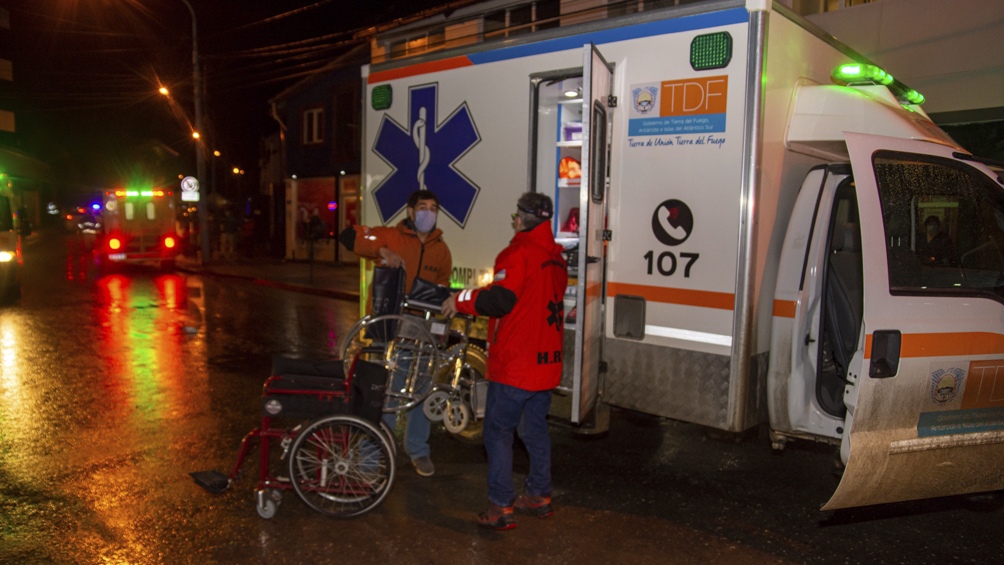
114,388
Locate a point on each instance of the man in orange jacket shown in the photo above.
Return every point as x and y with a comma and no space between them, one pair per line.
525,340
416,244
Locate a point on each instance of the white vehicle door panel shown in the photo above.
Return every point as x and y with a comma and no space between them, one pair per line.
799,313
596,119
925,403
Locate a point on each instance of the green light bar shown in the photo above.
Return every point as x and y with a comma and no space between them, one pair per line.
914,97
132,193
711,51
856,73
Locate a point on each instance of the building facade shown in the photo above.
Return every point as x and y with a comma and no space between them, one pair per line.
320,123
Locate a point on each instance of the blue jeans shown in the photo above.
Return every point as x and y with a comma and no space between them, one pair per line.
506,410
416,431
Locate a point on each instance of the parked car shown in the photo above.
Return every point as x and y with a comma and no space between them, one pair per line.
10,252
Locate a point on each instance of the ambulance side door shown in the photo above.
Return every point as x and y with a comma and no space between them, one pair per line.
925,392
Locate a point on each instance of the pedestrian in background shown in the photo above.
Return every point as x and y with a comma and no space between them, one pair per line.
228,235
525,338
416,244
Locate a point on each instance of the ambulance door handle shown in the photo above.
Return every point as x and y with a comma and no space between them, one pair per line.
808,339
591,259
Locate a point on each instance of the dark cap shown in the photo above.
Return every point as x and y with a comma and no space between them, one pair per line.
536,204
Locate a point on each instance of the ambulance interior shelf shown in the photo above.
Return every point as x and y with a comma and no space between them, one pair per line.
569,182
569,156
557,155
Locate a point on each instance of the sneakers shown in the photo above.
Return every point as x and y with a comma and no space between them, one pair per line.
497,518
539,506
423,466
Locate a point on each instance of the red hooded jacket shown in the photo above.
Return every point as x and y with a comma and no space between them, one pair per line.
524,303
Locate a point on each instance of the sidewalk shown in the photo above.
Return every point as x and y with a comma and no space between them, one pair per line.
338,281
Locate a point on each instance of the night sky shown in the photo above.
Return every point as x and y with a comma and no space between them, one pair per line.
86,74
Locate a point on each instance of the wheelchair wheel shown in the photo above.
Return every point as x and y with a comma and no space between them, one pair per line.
410,355
457,415
389,434
473,371
434,406
342,466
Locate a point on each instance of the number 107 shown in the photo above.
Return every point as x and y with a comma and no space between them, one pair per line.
666,262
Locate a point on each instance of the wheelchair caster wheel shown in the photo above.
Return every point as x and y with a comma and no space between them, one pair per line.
434,406
458,414
267,503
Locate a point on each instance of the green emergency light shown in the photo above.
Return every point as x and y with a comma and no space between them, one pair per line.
914,97
860,73
711,51
381,97
857,73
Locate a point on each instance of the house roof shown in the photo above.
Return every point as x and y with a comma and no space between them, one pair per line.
356,56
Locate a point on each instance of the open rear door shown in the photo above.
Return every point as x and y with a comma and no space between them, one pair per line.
925,393
596,116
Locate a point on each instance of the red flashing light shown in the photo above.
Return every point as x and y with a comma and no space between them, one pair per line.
114,244
69,216
169,242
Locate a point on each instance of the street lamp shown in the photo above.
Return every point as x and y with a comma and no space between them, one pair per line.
200,158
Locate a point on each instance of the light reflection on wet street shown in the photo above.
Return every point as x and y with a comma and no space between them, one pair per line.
113,388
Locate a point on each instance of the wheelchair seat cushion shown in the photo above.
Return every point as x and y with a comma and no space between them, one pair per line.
289,366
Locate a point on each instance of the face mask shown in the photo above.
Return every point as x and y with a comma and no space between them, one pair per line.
425,220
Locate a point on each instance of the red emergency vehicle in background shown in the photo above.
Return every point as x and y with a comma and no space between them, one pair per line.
139,227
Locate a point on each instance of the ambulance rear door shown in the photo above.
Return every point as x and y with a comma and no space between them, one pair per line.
925,392
597,113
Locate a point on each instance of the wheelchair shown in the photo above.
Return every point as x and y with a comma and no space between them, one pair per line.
430,360
325,417
341,462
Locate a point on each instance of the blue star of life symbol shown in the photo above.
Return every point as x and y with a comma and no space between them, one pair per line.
423,156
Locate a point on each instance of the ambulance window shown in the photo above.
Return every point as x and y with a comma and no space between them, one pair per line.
598,153
129,211
151,211
944,226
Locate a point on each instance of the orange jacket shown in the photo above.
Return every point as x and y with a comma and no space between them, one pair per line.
430,260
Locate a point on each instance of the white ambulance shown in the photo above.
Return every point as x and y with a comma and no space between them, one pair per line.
762,227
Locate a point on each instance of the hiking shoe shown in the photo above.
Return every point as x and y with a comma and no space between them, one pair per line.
424,466
497,518
539,506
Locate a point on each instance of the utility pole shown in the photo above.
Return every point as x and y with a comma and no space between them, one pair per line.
200,156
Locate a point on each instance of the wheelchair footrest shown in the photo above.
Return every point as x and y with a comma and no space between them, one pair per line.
213,481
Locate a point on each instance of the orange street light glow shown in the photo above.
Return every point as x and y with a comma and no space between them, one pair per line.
195,135
164,91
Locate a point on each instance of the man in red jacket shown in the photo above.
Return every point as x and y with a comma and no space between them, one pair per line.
525,339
